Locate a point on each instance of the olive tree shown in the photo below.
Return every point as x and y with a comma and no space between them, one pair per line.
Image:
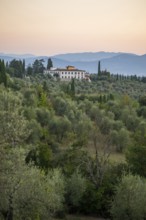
98,163
13,126
130,199
76,186
26,192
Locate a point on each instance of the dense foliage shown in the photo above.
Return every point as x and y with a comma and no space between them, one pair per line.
130,199
64,146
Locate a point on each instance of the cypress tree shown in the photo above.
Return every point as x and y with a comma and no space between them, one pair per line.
99,69
23,66
73,87
3,76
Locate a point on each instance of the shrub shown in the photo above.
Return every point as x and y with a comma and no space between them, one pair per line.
130,199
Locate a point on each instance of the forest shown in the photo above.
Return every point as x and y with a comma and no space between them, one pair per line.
71,148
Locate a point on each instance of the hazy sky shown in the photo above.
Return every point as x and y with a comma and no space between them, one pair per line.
47,27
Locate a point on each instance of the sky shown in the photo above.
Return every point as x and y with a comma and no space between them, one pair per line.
49,27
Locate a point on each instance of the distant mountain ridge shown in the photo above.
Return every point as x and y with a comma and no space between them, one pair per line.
121,63
17,55
86,56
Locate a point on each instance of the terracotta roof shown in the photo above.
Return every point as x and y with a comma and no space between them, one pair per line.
70,70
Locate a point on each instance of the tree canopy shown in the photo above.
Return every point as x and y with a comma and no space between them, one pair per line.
68,147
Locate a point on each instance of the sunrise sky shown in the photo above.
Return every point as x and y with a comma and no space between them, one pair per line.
48,27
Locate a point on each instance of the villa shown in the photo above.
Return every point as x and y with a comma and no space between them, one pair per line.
66,74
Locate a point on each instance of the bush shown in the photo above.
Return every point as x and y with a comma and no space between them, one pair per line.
76,186
96,201
130,199
136,158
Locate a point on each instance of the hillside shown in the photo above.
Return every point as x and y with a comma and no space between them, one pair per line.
66,147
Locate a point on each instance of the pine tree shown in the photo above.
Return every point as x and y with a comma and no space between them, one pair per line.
49,64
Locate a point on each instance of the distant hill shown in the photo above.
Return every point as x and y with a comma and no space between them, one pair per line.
86,57
126,64
121,63
17,55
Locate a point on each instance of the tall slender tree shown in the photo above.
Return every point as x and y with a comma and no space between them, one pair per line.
23,66
72,89
99,68
3,76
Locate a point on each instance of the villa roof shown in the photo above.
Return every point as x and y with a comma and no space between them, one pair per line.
69,70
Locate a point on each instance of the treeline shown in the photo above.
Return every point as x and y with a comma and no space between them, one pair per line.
58,143
105,75
18,68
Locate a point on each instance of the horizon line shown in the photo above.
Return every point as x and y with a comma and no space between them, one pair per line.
63,53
